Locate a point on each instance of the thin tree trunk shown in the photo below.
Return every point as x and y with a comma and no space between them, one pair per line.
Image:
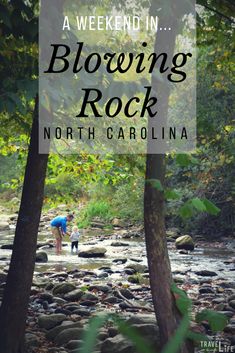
158,259
13,311
154,205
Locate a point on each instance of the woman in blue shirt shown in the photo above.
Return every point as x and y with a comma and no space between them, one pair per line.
59,229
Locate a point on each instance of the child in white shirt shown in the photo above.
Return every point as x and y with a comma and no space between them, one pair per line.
74,237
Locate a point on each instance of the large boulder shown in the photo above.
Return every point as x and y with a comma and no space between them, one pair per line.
93,252
184,242
50,321
41,256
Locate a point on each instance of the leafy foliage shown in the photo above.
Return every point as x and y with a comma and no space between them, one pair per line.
217,321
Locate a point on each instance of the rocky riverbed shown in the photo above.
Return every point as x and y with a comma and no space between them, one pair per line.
110,274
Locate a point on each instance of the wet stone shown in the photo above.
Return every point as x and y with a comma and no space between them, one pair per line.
67,335
50,321
63,288
206,289
74,295
51,334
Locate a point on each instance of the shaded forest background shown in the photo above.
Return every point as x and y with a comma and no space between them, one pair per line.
112,186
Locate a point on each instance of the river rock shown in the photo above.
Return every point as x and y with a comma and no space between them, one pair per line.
82,312
93,252
88,303
232,304
121,261
4,226
184,242
112,300
45,245
51,334
47,296
136,260
97,224
172,234
138,267
117,222
31,340
230,329
7,246
59,300
118,243
206,289
100,288
67,335
125,292
140,319
117,344
50,321
133,279
183,252
41,256
74,344
90,296
206,273
231,297
63,288
3,276
59,274
74,295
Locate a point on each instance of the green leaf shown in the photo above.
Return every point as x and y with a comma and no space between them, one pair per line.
196,336
210,207
198,204
217,321
186,211
183,302
172,194
156,183
184,160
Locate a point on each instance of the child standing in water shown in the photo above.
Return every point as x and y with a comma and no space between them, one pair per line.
74,237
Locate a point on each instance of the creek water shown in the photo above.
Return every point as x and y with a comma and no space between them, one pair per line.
206,256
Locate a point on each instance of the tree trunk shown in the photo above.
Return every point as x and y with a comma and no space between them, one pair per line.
154,216
158,259
13,311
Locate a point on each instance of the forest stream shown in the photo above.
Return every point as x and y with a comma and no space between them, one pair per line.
75,287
